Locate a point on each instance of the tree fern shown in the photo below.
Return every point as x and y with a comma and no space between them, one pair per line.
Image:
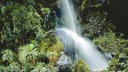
8,55
28,53
39,67
14,67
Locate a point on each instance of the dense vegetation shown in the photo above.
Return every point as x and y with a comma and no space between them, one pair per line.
28,42
109,38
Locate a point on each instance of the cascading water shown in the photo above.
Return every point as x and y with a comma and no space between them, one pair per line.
75,45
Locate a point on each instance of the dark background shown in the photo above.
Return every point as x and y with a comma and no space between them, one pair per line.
118,14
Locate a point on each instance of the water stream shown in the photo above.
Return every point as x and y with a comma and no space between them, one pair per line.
77,46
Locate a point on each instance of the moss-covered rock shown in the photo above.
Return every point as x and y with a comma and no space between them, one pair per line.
81,67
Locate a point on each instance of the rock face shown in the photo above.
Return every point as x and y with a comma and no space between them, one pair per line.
64,63
108,55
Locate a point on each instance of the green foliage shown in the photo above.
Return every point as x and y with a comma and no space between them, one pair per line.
22,23
19,25
51,50
49,19
81,67
83,5
96,25
14,67
25,19
21,31
29,57
101,31
7,55
119,63
39,67
108,42
27,42
45,10
28,53
50,1
3,68
27,67
97,5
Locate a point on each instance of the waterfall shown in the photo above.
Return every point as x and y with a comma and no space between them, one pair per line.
77,46
69,17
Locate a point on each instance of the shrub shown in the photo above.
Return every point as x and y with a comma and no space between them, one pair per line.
108,42
28,53
7,56
81,67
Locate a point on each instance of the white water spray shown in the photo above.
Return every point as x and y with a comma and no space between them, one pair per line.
69,16
74,44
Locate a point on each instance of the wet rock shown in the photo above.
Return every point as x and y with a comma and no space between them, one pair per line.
108,55
64,63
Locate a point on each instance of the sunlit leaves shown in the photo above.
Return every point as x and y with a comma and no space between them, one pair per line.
28,52
97,5
83,4
45,10
26,19
96,24
14,67
3,68
27,67
81,67
8,55
25,46
39,67
19,25
109,42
